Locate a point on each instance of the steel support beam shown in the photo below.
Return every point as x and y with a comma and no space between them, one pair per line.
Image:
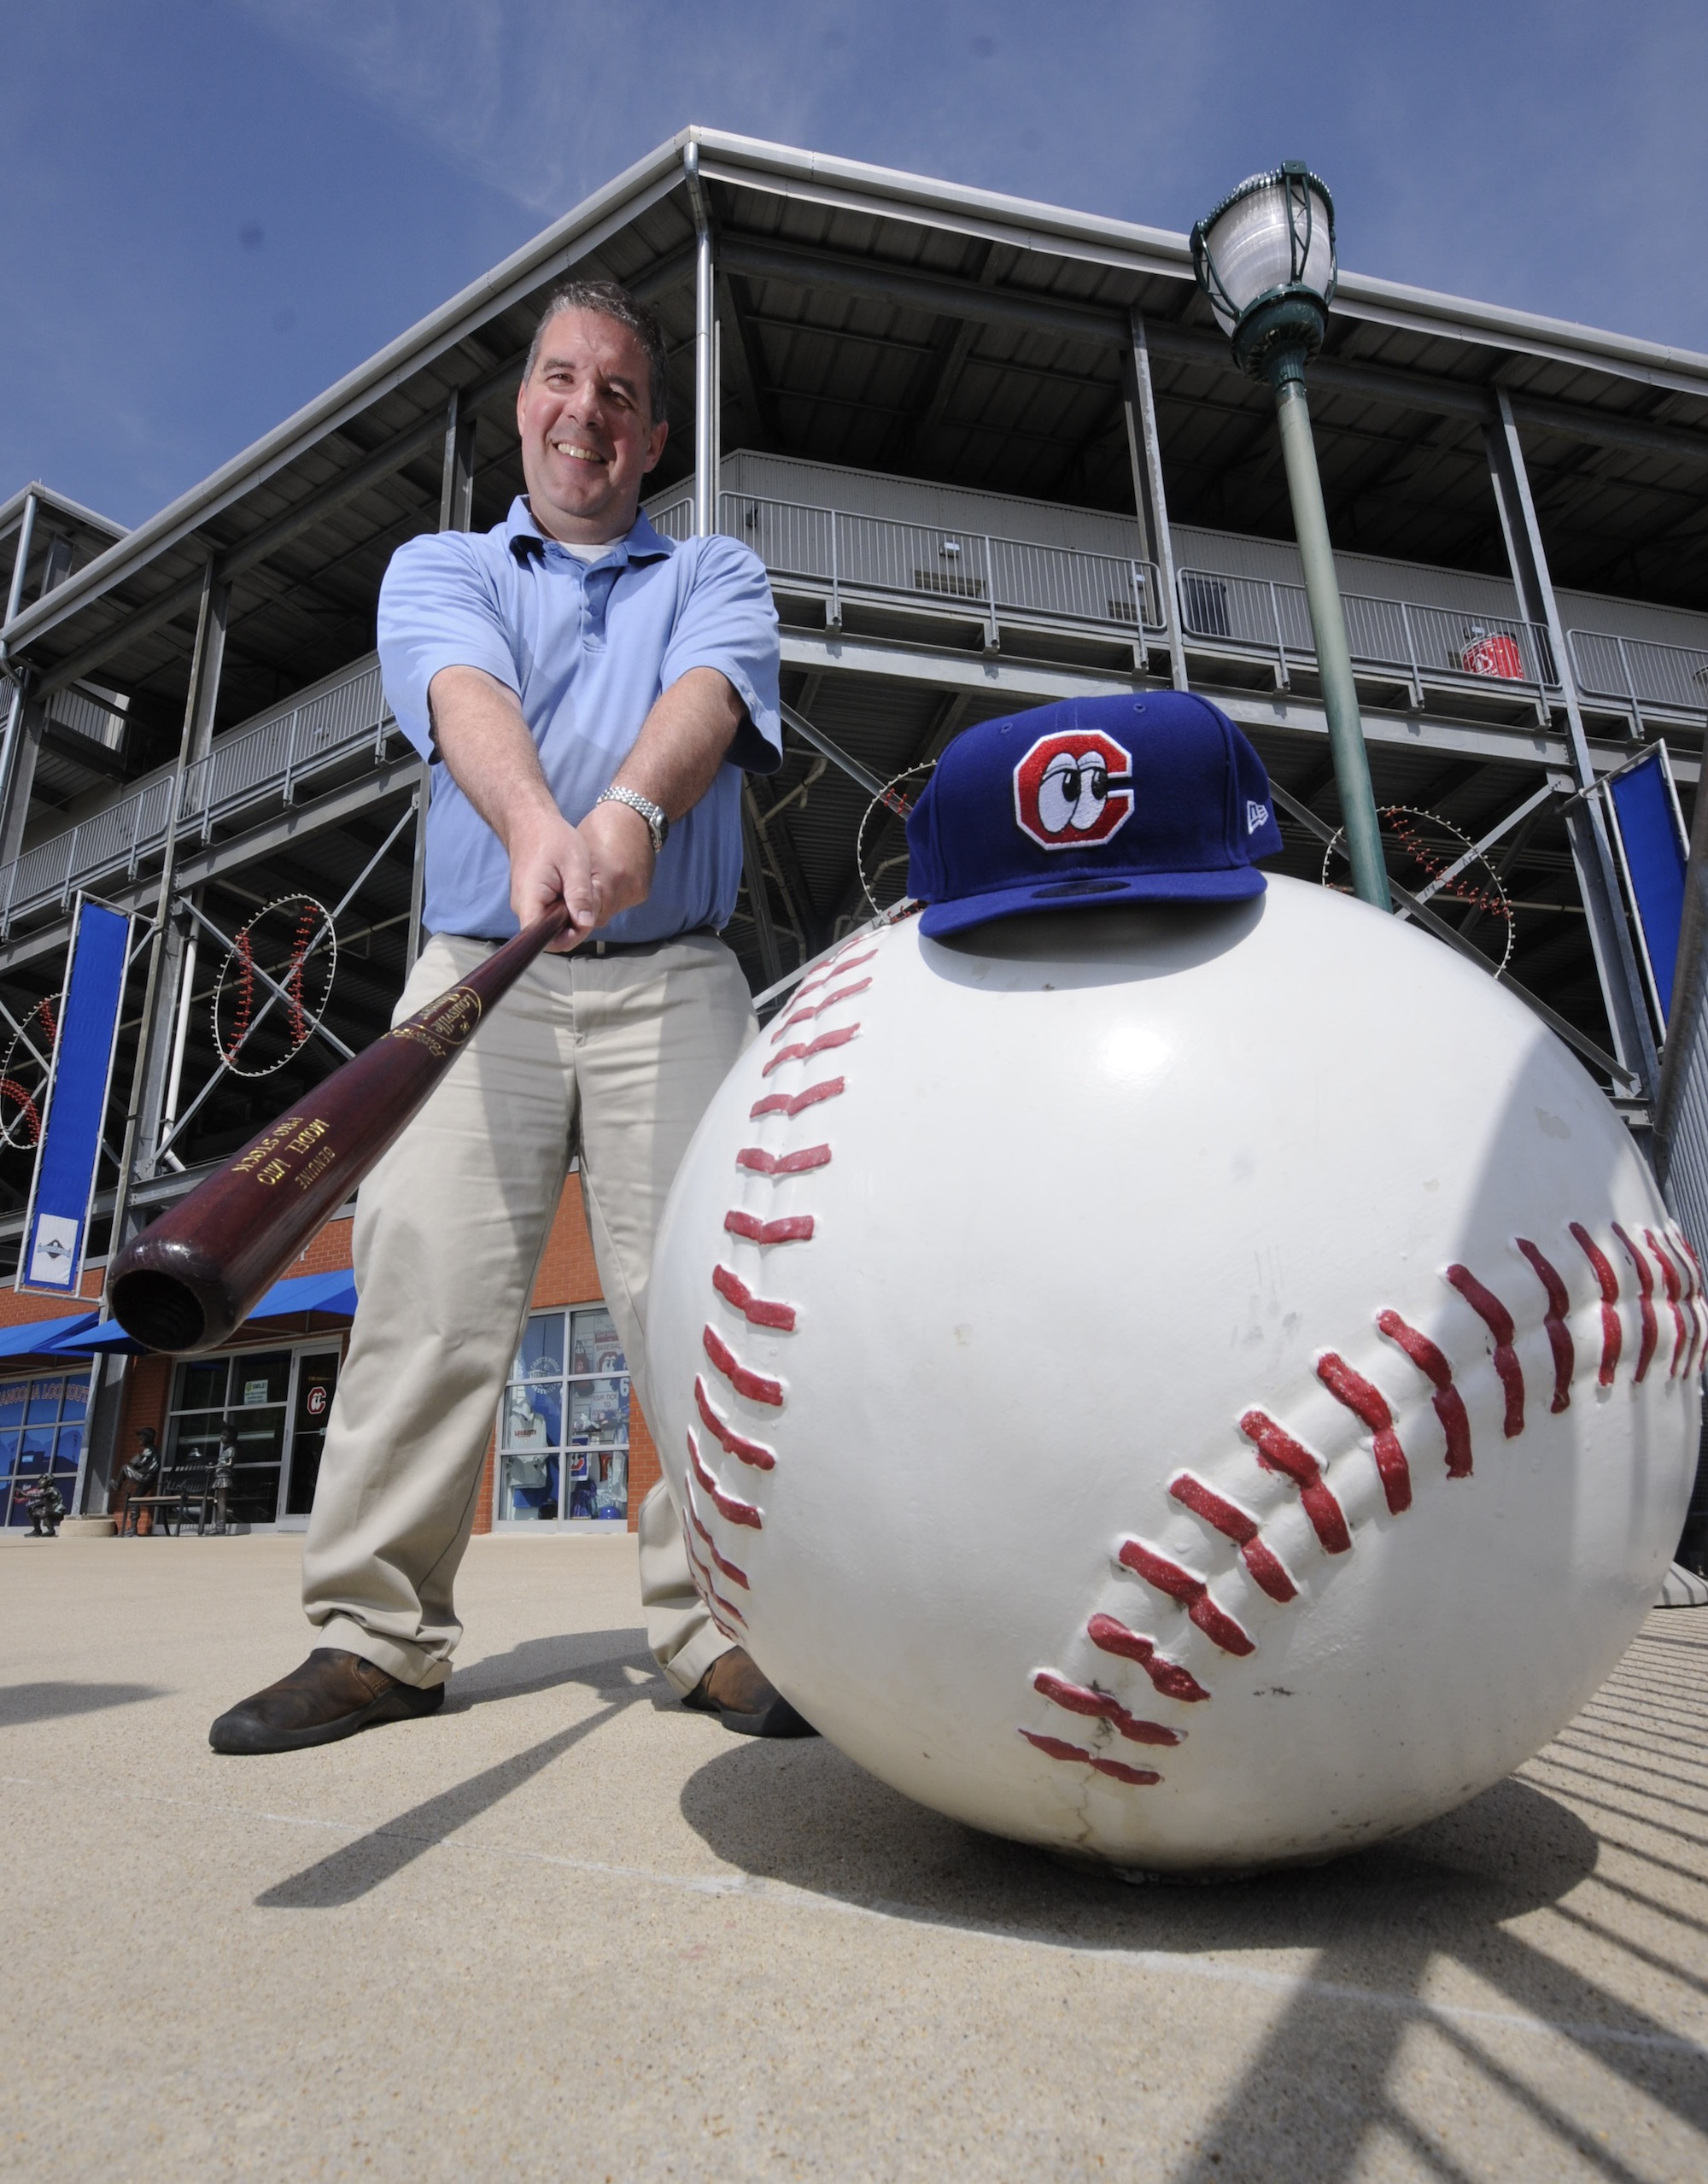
1610,936
758,900
705,425
457,490
26,719
1150,498
168,951
21,558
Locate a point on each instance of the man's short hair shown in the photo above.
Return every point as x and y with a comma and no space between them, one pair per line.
612,302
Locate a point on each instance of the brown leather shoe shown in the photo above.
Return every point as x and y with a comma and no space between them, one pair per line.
743,1697
333,1695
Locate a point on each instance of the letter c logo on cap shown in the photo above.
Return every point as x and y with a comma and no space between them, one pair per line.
1072,790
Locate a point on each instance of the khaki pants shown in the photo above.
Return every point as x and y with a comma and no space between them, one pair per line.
618,1055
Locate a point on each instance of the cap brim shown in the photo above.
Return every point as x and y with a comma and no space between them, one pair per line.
1236,883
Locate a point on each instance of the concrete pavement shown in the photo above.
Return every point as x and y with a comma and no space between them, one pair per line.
565,1929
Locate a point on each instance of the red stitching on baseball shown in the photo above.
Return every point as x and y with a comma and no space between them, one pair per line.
754,1385
736,1576
1558,1334
1278,1451
1239,1526
705,1586
1192,1591
757,1311
1173,1681
1669,1274
10,1088
1694,1293
835,968
1498,1320
1645,1311
804,1050
736,1444
738,1512
783,1104
792,1228
1366,1402
1057,1748
1449,1404
758,1161
1612,1333
818,1007
1080,1699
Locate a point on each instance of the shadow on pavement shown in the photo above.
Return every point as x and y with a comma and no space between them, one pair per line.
22,1702
1382,1925
541,1664
596,1660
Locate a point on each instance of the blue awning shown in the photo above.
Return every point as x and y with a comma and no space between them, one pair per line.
105,1334
330,1293
31,1336
334,1292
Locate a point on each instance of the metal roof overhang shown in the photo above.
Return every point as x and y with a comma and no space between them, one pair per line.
1407,381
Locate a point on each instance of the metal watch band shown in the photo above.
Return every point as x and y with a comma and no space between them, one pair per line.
657,823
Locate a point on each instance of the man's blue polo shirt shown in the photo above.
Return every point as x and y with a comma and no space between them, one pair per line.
586,648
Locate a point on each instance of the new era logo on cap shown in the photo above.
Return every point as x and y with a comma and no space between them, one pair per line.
1157,799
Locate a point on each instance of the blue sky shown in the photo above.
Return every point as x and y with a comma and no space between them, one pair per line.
212,208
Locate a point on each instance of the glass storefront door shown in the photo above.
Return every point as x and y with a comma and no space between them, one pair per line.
317,1382
562,1428
276,1401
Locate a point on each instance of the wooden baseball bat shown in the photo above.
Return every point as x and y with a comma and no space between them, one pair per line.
187,1282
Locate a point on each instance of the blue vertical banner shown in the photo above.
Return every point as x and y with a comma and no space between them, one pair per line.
1653,848
68,1156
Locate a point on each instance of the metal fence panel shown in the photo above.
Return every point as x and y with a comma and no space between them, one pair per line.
876,554
263,759
1637,672
1274,619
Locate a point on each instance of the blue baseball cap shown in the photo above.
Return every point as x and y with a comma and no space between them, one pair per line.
1091,802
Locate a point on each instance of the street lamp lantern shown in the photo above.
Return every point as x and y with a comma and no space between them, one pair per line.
1266,259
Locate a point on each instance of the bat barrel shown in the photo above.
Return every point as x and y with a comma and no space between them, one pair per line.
192,1278
180,1301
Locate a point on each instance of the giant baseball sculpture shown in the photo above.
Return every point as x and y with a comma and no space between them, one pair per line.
1194,1383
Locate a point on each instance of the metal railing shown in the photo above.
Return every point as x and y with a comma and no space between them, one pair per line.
1636,672
268,758
1423,644
979,572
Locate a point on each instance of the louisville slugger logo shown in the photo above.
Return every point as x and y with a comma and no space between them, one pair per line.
1072,790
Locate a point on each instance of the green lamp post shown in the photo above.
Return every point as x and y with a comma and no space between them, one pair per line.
1266,259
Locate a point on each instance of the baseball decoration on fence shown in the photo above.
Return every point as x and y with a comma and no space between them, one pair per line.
23,1072
274,985
1186,1371
1440,863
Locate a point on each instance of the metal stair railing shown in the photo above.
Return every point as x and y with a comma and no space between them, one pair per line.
268,758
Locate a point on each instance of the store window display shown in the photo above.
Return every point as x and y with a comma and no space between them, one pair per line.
562,1428
41,1438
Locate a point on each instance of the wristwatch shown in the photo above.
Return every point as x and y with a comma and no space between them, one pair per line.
658,824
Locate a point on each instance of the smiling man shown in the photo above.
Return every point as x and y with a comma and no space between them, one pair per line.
587,693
